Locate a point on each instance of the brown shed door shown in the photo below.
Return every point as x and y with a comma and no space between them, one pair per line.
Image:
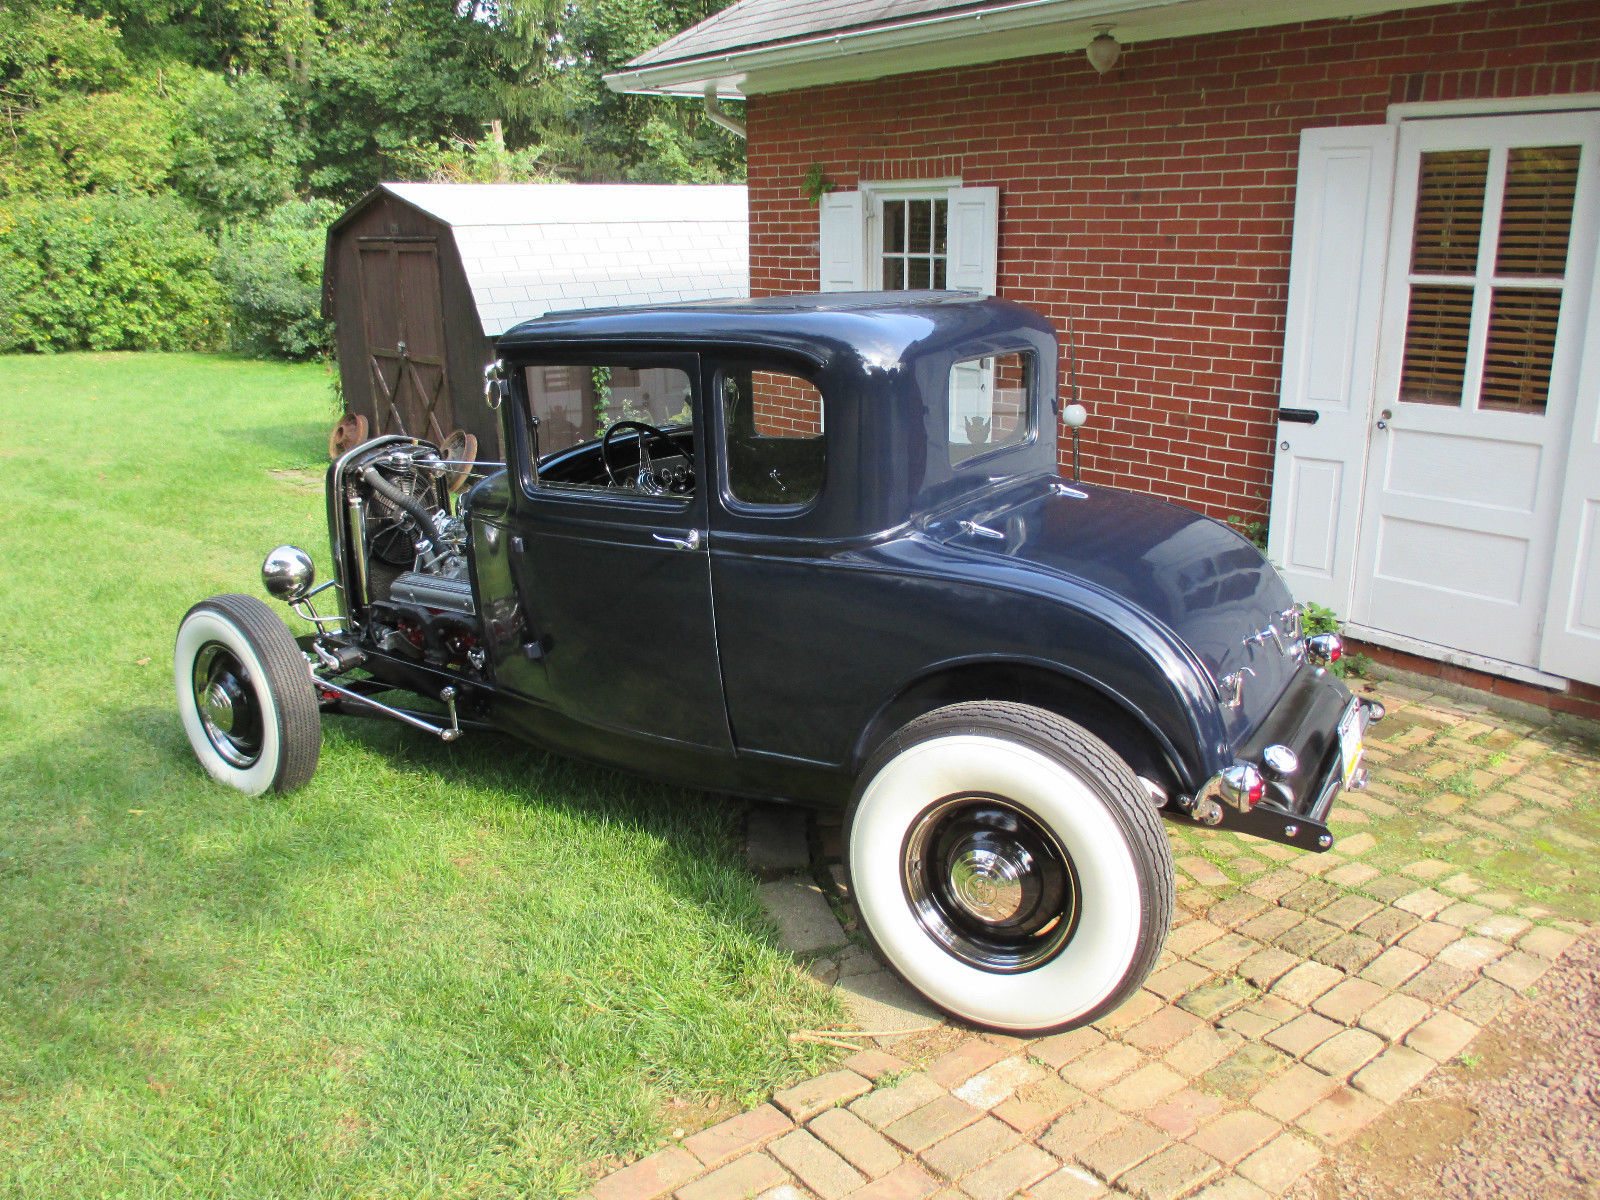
405,336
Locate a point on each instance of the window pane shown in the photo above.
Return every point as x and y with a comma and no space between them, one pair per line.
1522,342
991,404
1537,217
940,227
562,399
1437,326
894,274
938,273
576,404
894,226
918,273
1449,212
776,445
920,239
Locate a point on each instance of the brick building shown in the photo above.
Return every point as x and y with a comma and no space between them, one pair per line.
1380,217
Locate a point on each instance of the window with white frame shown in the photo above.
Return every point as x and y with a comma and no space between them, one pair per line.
913,247
901,236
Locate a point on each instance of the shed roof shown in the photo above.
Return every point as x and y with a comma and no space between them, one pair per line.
528,248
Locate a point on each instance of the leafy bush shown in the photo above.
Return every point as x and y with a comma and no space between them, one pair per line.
1317,618
1252,529
105,272
272,272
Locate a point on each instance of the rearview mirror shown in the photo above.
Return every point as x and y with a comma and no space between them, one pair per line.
494,383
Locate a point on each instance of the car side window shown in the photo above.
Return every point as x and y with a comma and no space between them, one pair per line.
991,404
609,426
777,444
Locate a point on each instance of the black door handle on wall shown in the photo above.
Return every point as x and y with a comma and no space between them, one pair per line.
1303,416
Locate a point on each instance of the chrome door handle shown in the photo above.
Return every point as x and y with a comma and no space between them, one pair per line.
692,542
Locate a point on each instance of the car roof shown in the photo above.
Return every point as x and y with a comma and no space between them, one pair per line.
875,325
860,302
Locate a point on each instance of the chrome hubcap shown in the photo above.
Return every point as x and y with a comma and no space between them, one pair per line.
225,698
988,883
217,708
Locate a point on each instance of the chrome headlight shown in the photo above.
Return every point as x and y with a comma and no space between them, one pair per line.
288,574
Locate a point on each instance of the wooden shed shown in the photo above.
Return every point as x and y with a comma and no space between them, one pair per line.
420,278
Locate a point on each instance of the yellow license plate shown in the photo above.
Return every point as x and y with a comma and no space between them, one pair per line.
1350,741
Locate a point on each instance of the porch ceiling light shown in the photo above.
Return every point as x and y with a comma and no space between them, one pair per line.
1104,50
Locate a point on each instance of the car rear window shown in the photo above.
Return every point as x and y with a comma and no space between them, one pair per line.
991,404
777,447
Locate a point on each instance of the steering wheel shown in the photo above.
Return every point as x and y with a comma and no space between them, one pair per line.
645,480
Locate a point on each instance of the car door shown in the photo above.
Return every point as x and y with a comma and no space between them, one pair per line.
616,583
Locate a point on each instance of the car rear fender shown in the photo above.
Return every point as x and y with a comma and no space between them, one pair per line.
1149,743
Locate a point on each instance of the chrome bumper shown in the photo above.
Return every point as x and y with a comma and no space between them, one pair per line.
1259,796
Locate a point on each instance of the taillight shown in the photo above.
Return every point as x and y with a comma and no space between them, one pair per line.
1244,785
1325,648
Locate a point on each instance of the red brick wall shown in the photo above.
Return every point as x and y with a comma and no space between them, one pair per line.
1153,205
785,405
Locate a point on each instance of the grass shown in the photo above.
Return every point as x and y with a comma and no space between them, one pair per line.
435,971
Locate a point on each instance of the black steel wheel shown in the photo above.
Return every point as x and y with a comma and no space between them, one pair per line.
989,883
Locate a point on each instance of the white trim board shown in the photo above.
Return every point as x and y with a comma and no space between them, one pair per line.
1424,110
1456,658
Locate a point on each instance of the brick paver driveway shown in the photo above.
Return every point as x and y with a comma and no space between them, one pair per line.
1299,995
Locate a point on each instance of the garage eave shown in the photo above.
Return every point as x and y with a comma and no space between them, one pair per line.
965,38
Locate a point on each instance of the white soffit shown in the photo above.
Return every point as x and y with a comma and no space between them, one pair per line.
966,38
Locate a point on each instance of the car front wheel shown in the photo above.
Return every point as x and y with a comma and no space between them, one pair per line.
245,696
1010,866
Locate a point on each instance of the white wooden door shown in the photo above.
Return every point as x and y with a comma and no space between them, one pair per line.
1490,263
1571,643
1341,234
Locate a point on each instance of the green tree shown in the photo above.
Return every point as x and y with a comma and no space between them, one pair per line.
554,91
104,141
386,75
235,150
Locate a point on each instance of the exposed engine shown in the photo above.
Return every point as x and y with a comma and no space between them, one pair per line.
413,555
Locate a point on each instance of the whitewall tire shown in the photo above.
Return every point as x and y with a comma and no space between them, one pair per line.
245,696
1010,866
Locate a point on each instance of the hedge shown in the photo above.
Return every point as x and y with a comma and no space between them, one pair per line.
106,272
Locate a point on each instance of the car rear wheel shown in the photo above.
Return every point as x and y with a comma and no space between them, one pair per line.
1010,866
245,696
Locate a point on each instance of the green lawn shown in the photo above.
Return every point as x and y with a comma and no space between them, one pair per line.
435,971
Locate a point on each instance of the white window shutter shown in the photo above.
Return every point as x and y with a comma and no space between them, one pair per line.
974,239
841,242
1336,276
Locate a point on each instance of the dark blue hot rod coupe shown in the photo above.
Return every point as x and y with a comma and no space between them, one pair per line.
816,548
